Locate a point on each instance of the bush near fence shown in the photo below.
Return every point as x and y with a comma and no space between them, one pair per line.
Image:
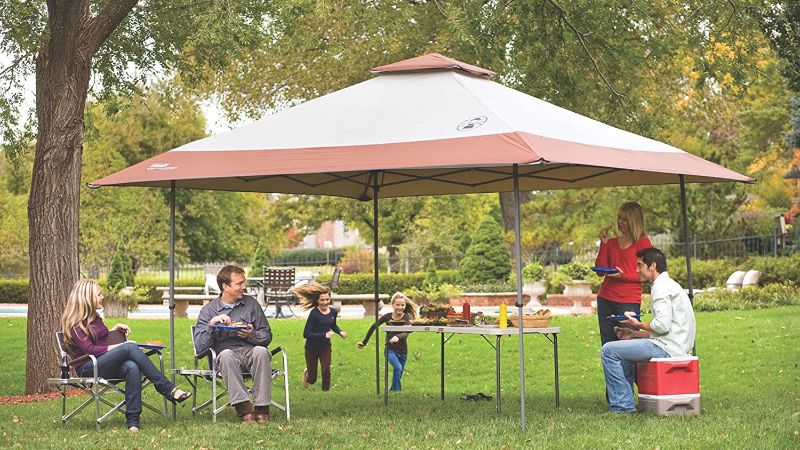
715,272
13,291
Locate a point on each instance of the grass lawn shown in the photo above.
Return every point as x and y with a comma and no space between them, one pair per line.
749,375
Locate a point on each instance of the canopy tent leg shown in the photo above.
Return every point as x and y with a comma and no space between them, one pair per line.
518,257
375,272
686,248
172,285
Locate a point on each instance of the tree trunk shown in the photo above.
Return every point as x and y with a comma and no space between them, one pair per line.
62,82
63,70
394,259
507,207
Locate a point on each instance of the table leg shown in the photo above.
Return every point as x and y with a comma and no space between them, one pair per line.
555,357
442,361
385,375
497,371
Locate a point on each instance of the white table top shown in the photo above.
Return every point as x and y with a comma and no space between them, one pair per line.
510,331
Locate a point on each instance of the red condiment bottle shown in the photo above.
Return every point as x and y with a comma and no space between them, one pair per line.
465,311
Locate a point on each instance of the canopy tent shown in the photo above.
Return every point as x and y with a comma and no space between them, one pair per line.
428,125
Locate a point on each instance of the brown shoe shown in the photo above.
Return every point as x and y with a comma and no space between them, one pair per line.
262,414
245,412
305,378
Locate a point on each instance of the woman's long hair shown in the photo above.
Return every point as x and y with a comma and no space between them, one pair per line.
632,212
81,309
309,294
411,307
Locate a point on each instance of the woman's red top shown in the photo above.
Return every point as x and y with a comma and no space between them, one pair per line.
626,288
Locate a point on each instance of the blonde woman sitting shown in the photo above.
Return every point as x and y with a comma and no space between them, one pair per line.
86,334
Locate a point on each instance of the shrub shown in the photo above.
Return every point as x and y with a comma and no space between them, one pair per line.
533,272
431,278
120,274
487,259
748,298
439,295
13,291
309,257
261,258
576,271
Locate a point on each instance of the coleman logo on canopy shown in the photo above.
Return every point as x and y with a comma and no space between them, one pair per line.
161,166
472,123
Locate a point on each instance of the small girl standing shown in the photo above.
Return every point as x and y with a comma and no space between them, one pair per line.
403,312
320,327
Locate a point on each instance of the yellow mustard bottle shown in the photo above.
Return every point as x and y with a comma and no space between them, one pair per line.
503,322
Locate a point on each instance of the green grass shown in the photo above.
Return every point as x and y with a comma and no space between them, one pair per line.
749,376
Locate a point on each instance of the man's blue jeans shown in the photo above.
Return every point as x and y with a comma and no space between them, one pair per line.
398,362
619,365
128,362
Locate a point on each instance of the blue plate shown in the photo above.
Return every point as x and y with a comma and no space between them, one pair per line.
152,347
226,327
605,270
621,318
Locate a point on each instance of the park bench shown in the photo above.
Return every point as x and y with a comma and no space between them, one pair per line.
368,301
182,300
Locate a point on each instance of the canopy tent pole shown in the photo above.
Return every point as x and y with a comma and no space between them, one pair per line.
375,273
686,249
172,285
518,258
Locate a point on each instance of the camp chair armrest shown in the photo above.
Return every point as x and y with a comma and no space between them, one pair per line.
80,360
277,350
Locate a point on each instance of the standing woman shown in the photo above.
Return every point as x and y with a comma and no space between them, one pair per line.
403,312
320,327
621,291
86,334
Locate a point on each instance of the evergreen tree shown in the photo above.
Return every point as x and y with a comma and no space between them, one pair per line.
262,257
488,259
120,274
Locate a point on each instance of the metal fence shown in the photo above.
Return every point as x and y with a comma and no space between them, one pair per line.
404,262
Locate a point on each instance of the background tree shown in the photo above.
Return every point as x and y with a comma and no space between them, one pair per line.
68,43
120,273
488,259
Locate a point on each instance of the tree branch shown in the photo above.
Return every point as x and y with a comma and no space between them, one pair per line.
580,35
100,27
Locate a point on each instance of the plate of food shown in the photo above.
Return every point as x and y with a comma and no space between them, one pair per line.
622,317
235,326
604,270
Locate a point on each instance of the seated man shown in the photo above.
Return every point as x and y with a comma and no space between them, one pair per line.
671,332
238,349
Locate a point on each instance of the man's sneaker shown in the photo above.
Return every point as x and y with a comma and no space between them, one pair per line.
305,378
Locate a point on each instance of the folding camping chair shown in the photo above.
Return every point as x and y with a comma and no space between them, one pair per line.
278,283
97,388
213,376
334,283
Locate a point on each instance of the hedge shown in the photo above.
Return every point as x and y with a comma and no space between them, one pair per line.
13,291
715,272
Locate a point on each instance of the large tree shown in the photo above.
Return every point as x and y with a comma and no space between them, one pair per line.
73,46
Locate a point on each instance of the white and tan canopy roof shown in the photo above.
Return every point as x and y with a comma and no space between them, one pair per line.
430,125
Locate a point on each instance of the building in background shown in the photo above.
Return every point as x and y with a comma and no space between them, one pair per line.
332,234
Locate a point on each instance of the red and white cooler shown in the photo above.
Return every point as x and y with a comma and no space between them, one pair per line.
669,385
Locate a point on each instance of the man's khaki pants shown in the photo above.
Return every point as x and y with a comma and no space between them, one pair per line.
255,360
